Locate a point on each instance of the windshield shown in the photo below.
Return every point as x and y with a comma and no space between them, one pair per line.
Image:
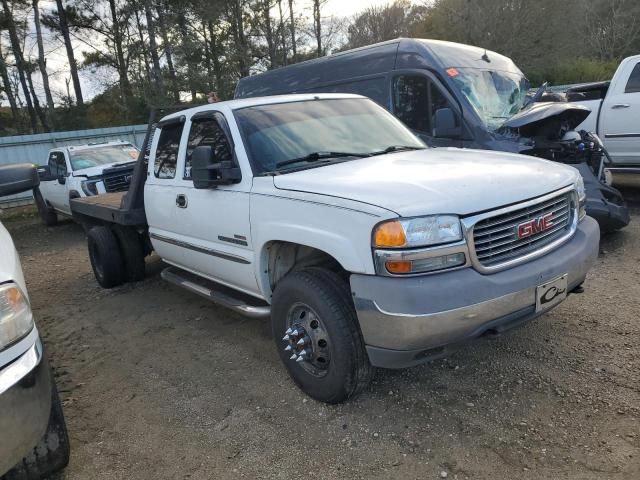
495,95
319,132
105,155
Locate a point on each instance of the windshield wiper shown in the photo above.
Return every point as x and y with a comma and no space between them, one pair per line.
396,148
315,156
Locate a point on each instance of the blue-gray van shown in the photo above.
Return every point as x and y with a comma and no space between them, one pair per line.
455,95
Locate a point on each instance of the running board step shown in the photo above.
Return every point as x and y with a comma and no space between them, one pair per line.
214,292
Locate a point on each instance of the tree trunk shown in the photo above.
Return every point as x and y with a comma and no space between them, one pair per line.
283,39
36,104
20,64
8,90
292,26
215,54
144,50
157,72
42,63
317,27
73,66
125,86
187,46
240,38
175,90
266,8
207,57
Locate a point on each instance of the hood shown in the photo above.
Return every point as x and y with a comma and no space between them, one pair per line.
538,114
103,169
10,269
434,181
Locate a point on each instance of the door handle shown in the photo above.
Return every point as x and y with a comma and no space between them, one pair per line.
181,200
620,105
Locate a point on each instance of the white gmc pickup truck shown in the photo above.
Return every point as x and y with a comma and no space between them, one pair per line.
364,247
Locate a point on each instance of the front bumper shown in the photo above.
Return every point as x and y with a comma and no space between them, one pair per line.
25,402
407,321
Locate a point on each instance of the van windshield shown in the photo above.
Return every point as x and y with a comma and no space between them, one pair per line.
289,136
495,95
102,155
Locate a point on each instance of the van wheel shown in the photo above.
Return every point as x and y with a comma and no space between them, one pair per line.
52,452
47,215
132,252
106,257
317,335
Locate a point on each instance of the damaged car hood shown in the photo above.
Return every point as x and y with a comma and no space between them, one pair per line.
537,114
434,181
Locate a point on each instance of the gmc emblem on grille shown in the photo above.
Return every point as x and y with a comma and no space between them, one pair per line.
537,225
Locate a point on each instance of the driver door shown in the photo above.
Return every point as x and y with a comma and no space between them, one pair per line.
56,190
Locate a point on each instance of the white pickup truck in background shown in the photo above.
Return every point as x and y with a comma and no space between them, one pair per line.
615,113
80,171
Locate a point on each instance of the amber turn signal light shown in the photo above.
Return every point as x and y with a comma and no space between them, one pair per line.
401,266
389,234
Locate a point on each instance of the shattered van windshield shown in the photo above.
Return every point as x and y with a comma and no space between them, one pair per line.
495,95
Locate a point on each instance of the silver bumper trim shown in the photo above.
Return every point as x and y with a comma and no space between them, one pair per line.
16,371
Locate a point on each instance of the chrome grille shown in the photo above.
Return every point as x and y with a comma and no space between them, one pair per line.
496,239
117,183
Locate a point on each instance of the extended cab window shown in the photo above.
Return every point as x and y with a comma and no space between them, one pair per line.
207,132
167,150
415,101
633,85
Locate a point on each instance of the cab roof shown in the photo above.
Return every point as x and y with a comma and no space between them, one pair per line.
230,105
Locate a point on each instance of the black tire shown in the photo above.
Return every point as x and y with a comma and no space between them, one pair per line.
106,257
47,214
348,371
132,252
52,452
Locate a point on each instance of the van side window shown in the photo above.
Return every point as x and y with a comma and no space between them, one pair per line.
167,151
415,101
207,132
633,85
374,88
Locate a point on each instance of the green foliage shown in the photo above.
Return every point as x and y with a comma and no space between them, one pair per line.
577,71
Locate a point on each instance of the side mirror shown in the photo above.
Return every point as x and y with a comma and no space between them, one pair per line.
62,179
207,172
444,124
44,172
18,178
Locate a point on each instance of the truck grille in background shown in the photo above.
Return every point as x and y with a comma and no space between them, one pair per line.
118,183
496,238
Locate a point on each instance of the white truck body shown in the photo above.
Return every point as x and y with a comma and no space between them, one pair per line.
365,247
74,177
616,117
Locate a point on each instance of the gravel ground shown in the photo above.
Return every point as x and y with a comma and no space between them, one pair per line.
158,383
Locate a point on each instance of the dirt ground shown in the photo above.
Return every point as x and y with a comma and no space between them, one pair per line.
159,384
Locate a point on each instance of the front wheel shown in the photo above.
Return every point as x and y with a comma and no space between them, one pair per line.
316,331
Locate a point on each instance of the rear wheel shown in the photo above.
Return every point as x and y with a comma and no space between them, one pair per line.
52,452
106,257
133,255
317,335
47,214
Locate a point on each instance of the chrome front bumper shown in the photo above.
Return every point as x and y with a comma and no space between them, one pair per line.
406,321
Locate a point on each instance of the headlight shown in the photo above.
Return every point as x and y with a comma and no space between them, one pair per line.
89,187
16,319
417,232
582,197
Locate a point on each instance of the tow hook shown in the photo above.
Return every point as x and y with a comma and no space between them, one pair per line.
578,289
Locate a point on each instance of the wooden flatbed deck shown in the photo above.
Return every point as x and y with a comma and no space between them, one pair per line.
107,207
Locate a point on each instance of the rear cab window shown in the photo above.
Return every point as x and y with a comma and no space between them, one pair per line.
633,84
166,154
